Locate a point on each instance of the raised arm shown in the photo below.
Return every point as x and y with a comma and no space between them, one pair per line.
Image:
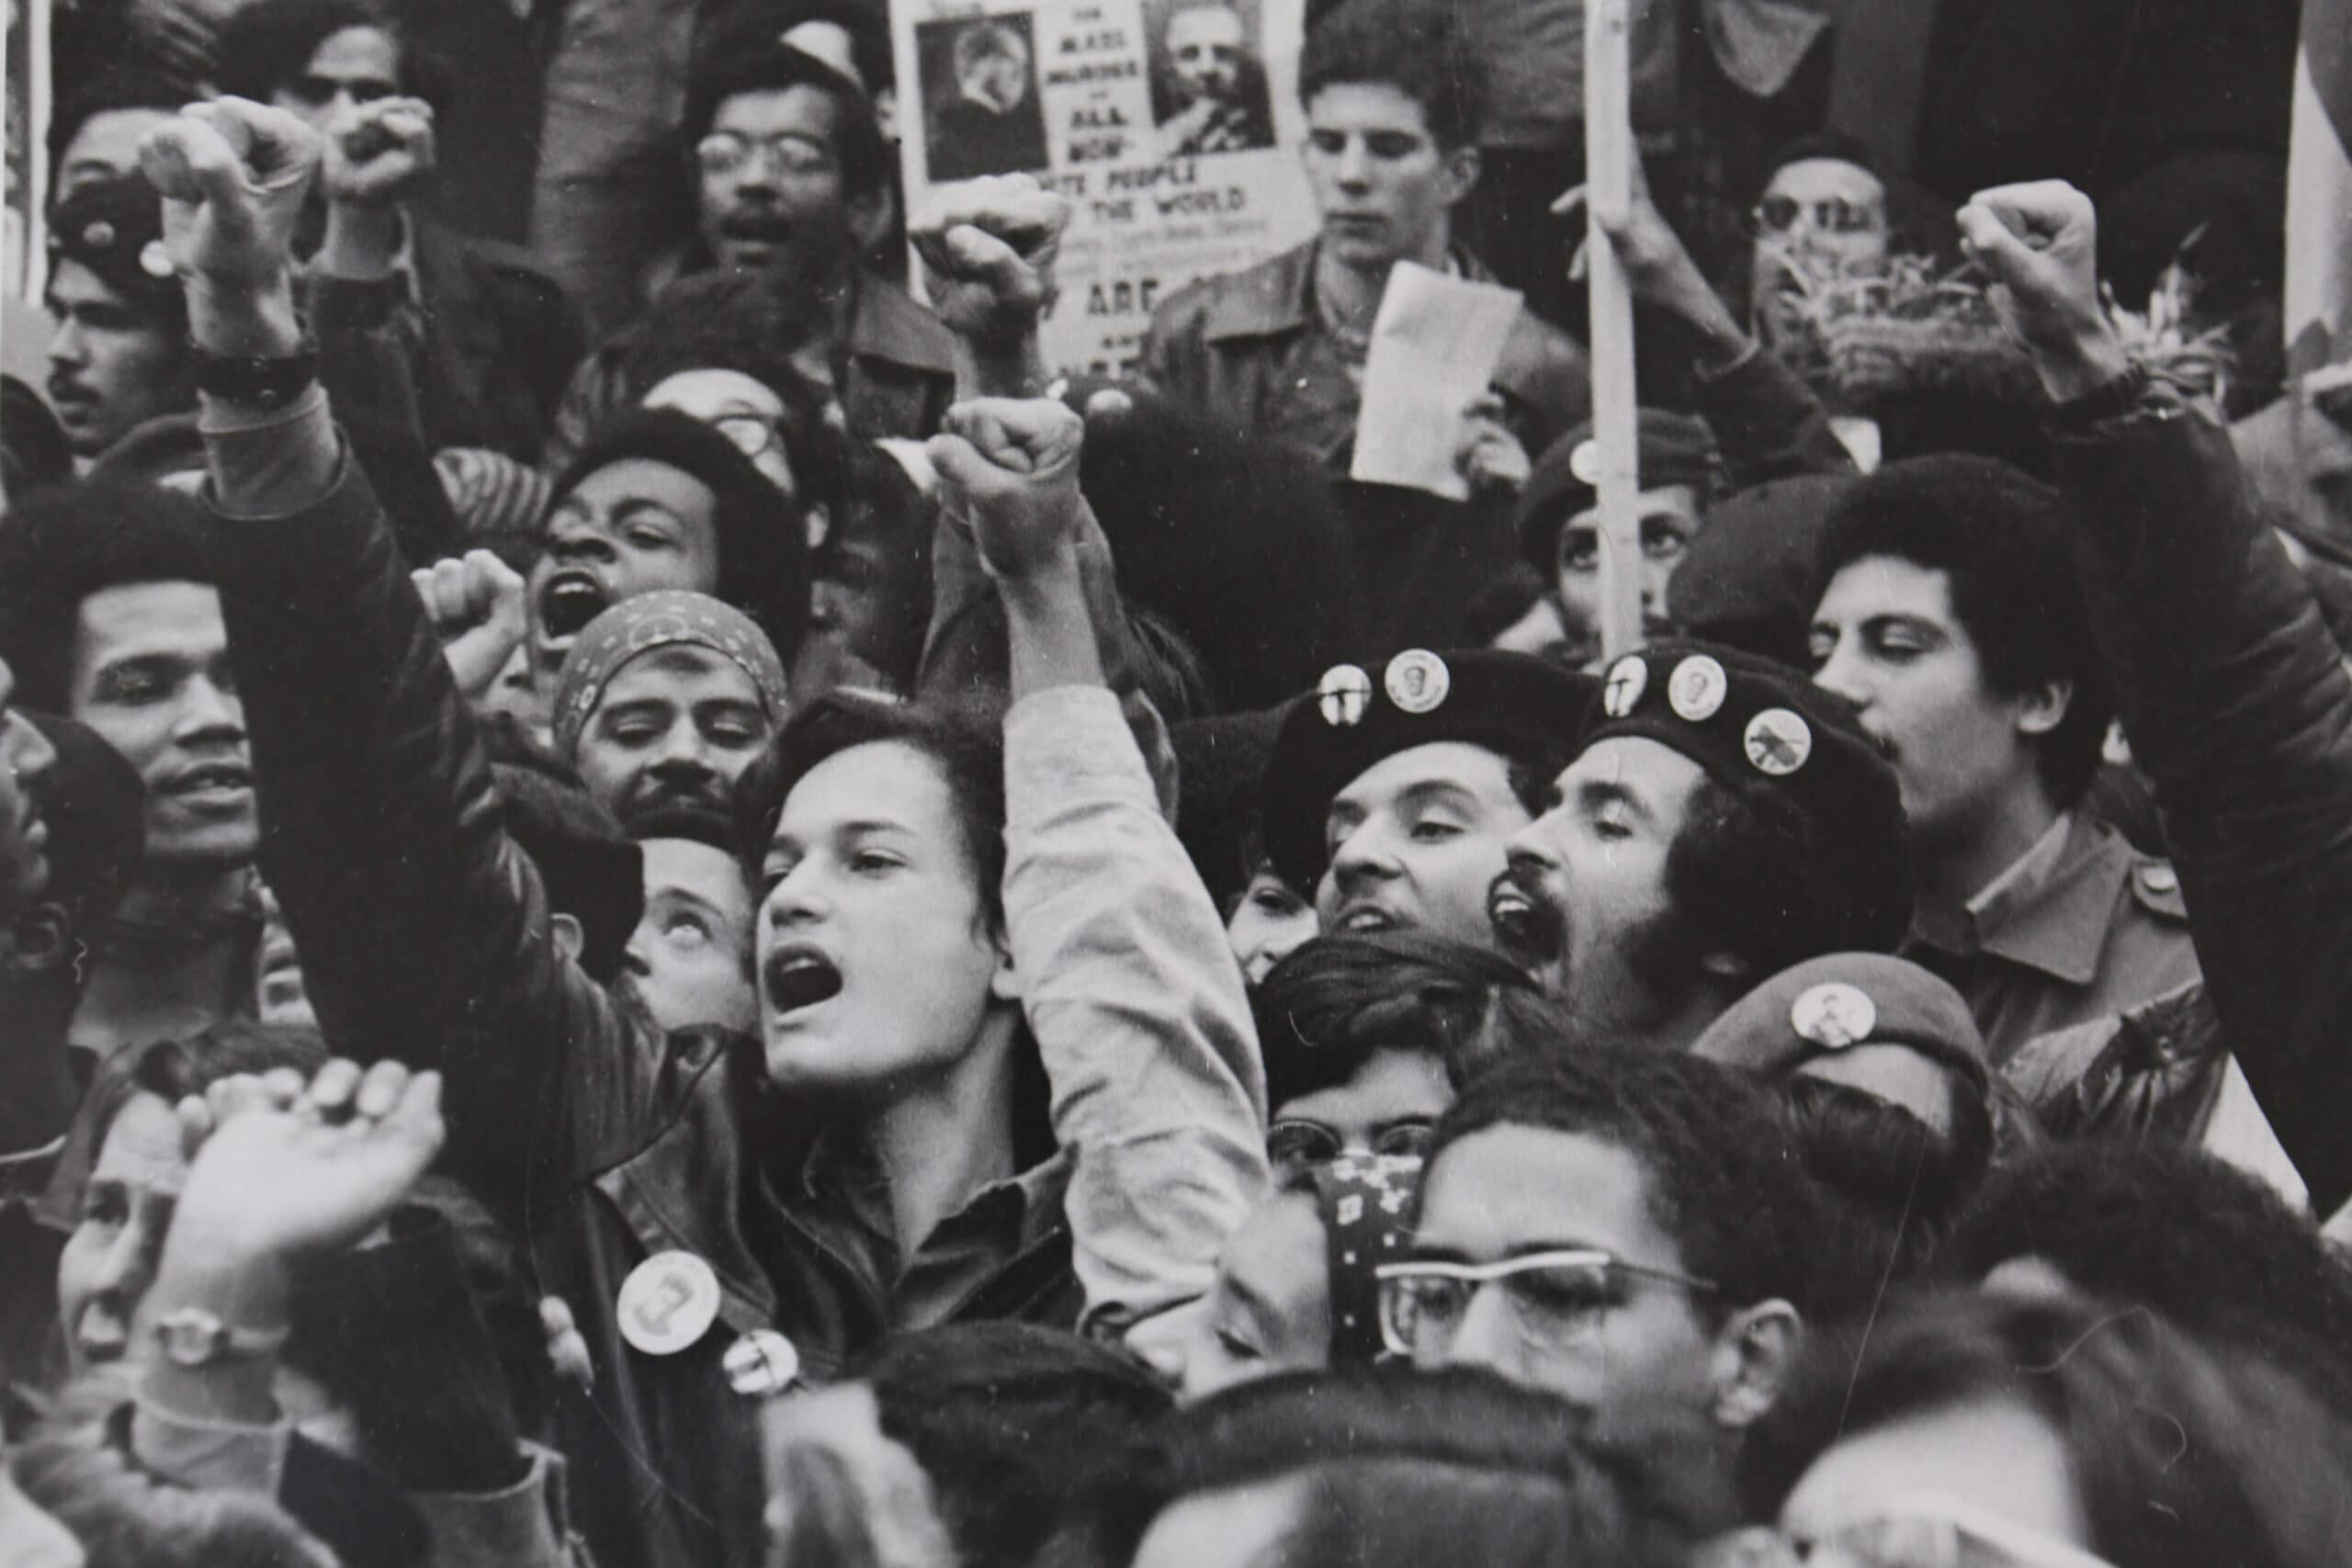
2234,695
424,930
1128,984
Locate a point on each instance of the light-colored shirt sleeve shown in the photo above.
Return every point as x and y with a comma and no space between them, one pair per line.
1137,1006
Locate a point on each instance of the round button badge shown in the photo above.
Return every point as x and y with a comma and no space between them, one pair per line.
1628,679
1342,694
668,1301
1696,689
1834,1016
1778,743
1418,681
761,1362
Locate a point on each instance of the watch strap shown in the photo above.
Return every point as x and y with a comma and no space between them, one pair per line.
266,382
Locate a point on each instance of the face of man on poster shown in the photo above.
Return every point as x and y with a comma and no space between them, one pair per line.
1208,51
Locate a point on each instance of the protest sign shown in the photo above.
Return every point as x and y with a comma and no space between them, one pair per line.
1172,126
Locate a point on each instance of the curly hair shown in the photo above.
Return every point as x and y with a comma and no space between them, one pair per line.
1414,46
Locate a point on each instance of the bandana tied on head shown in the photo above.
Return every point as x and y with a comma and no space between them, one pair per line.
658,620
1366,1202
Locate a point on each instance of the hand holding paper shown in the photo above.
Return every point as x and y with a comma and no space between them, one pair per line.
1435,348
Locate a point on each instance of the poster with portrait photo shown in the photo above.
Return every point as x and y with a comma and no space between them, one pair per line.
1145,219
981,113
1209,92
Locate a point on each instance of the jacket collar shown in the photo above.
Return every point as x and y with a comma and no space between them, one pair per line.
2052,911
1278,295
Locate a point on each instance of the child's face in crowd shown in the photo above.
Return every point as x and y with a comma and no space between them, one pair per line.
676,725
1269,922
877,966
691,955
633,526
1669,519
110,1260
1382,184
1416,841
1389,1106
152,676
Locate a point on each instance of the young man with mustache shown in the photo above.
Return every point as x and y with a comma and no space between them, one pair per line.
1951,616
1018,1007
1722,821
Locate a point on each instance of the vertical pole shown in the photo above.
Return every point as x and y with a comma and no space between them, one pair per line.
1608,161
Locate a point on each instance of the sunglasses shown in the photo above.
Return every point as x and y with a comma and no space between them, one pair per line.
1778,214
1555,1299
1295,1147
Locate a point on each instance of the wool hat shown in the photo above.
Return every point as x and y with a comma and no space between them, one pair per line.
649,621
1676,449
1749,578
1826,1005
1528,709
1797,752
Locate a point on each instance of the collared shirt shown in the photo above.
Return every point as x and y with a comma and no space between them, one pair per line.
2079,927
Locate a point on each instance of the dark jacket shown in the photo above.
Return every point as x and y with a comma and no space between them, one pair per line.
2240,709
1248,347
425,935
486,343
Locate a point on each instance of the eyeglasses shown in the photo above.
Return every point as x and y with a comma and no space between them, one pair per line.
1778,214
787,153
1294,1146
1925,1529
1557,1299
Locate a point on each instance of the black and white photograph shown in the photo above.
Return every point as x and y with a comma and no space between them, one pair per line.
982,114
1209,92
1557,828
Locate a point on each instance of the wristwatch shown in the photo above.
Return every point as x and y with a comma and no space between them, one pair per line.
254,380
195,1337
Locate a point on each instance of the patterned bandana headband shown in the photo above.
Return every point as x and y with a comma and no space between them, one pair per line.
659,620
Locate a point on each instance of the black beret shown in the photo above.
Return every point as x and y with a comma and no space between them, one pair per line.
1676,449
1768,734
1527,709
115,227
1826,1005
1751,577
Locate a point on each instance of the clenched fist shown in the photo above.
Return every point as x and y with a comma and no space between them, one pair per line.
987,249
2040,241
478,605
1013,465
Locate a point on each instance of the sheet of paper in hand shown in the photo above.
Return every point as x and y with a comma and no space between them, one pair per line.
1435,348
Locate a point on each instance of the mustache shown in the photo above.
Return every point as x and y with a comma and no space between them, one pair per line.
655,792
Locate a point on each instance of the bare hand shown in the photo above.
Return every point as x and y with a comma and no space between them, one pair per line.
1012,463
1658,266
478,605
285,1169
2039,242
232,175
988,248
1488,454
377,153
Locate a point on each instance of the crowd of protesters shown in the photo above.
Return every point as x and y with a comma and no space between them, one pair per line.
661,907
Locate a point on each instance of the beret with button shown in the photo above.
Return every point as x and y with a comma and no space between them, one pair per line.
1826,1005
1524,708
1749,578
1676,449
1794,751
115,227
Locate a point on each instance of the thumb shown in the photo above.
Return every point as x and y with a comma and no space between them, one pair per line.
959,463
1994,243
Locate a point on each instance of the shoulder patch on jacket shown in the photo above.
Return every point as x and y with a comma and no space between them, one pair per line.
2157,888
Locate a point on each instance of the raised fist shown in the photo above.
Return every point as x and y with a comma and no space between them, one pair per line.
1012,463
2039,242
987,249
478,605
377,152
232,174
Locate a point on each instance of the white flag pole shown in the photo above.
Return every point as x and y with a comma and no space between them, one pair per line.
1609,163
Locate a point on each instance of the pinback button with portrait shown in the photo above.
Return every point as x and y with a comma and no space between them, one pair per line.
668,1301
1695,691
1342,694
1834,1016
761,1362
1418,681
1628,679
